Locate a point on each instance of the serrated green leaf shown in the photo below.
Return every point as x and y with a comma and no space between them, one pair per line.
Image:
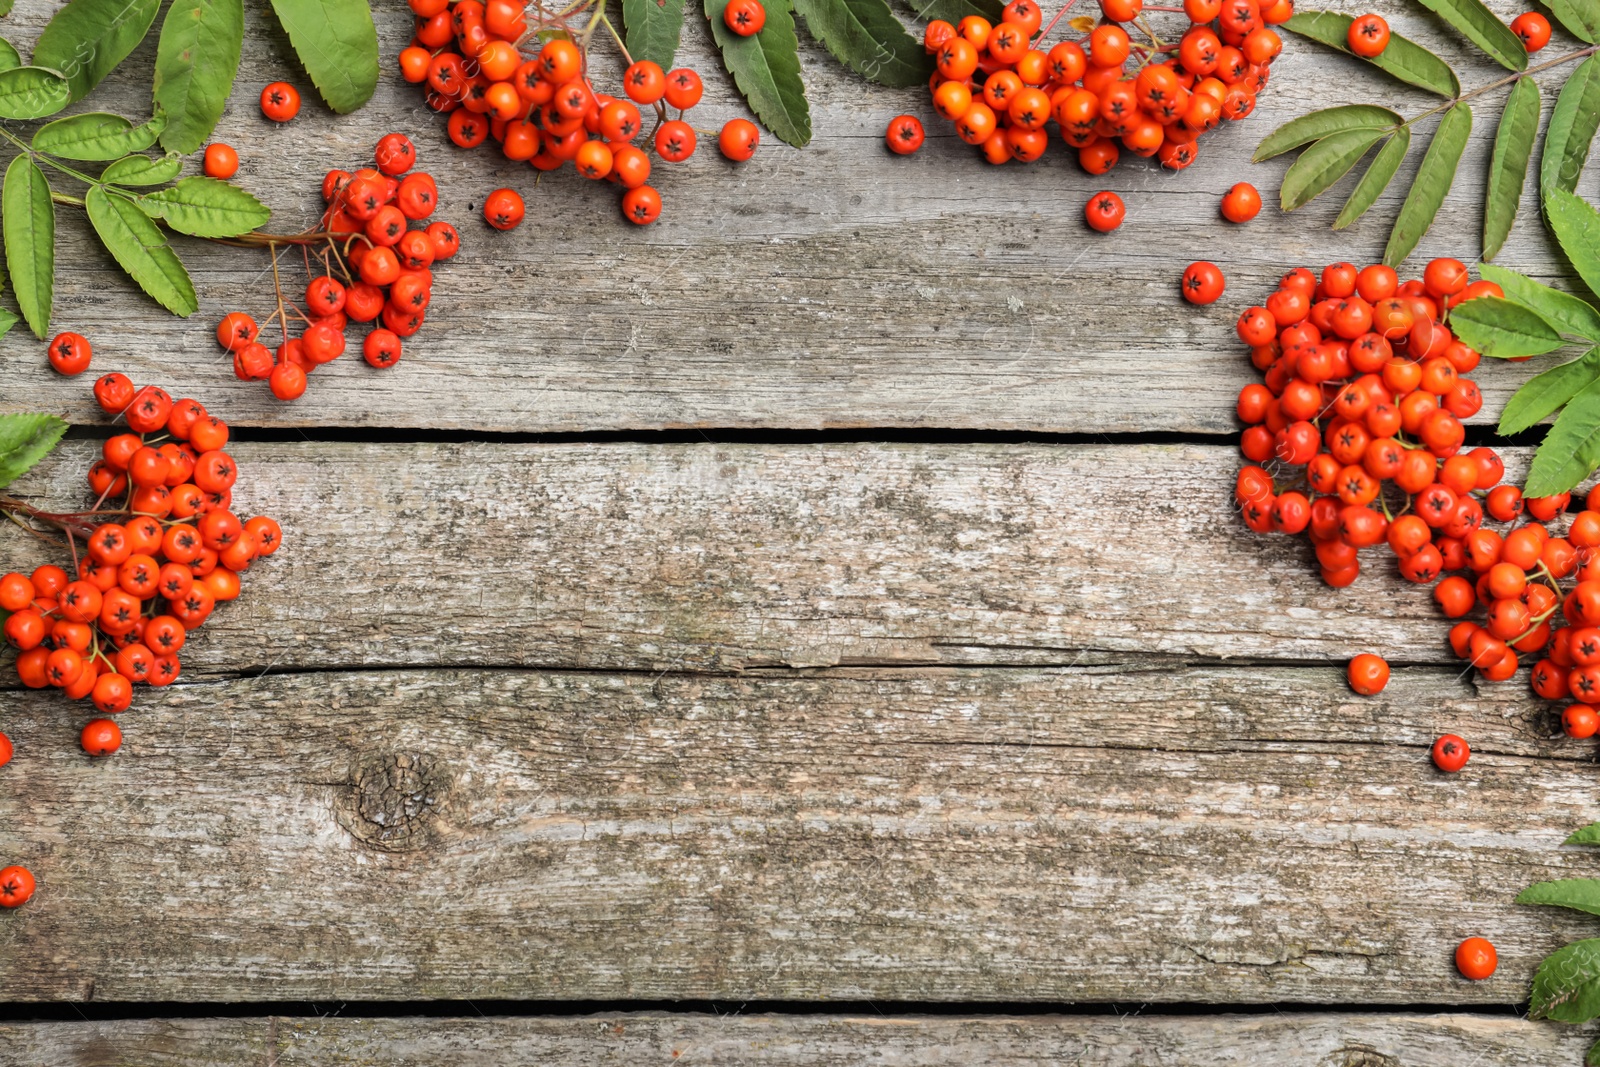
140,249
28,220
206,207
1542,396
96,136
1483,28
1566,987
337,44
1323,164
9,59
1508,169
1592,1057
1563,310
1570,450
1580,17
865,36
25,439
1579,894
1432,184
1577,229
142,170
954,11
1573,122
1380,172
197,59
766,68
1588,835
652,29
1403,59
32,93
1324,123
85,40
1503,329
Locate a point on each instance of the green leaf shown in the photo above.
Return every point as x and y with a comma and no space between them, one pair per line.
337,44
1580,17
1403,59
766,68
1572,127
1323,164
1564,310
1502,329
5,8
1432,184
28,220
865,36
1566,987
1588,835
96,136
7,320
1320,124
1380,172
954,11
652,28
1542,396
1483,28
1579,894
1570,450
9,60
142,170
206,207
32,93
86,40
140,248
196,61
25,439
1577,228
1592,1057
1508,170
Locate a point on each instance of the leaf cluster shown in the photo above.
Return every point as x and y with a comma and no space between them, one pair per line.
1566,987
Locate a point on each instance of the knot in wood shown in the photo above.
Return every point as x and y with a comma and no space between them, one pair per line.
1359,1056
395,801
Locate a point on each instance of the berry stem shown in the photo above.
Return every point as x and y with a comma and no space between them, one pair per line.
1501,83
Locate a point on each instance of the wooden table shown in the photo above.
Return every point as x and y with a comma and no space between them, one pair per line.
810,630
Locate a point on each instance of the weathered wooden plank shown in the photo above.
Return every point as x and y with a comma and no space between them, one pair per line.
1132,1040
1087,834
834,286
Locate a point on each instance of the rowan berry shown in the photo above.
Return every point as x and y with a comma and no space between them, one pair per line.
744,17
1242,203
1109,46
642,205
739,139
100,737
16,887
684,88
1450,753
1368,674
287,381
1202,283
675,141
1533,28
220,161
70,353
904,135
1105,211
1476,958
280,101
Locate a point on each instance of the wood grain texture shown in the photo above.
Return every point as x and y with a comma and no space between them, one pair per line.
836,286
1085,834
626,1040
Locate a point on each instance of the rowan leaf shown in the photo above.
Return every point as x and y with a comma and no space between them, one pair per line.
140,249
9,59
1544,394
1587,835
652,29
1380,172
1502,329
197,59
7,321
1323,164
1402,59
1580,17
1566,987
206,207
766,68
25,439
142,170
1324,123
1570,450
84,41
1579,894
1483,28
1508,169
1577,229
954,11
337,44
1432,184
865,36
1563,310
96,136
1573,122
1592,1057
28,221
32,93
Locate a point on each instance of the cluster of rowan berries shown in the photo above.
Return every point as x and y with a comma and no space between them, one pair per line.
1368,35
150,565
1000,88
385,273
546,111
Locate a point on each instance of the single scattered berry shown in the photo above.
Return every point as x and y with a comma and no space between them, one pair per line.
905,135
1202,282
1368,36
503,209
280,101
1241,203
1368,674
70,353
16,887
1533,28
220,161
1580,721
102,737
1104,212
1476,959
738,139
6,750
744,17
1450,753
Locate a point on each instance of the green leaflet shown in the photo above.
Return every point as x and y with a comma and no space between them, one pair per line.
1403,59
1323,164
954,11
28,221
1567,985
196,61
1570,450
1572,128
96,136
139,248
32,93
86,40
1320,124
865,36
652,28
25,439
1483,28
1508,170
1432,184
142,170
9,60
5,8
1580,17
7,320
1592,1057
1579,894
766,68
1577,228
1380,172
1502,329
1588,835
1564,310
206,207
337,44
1542,396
